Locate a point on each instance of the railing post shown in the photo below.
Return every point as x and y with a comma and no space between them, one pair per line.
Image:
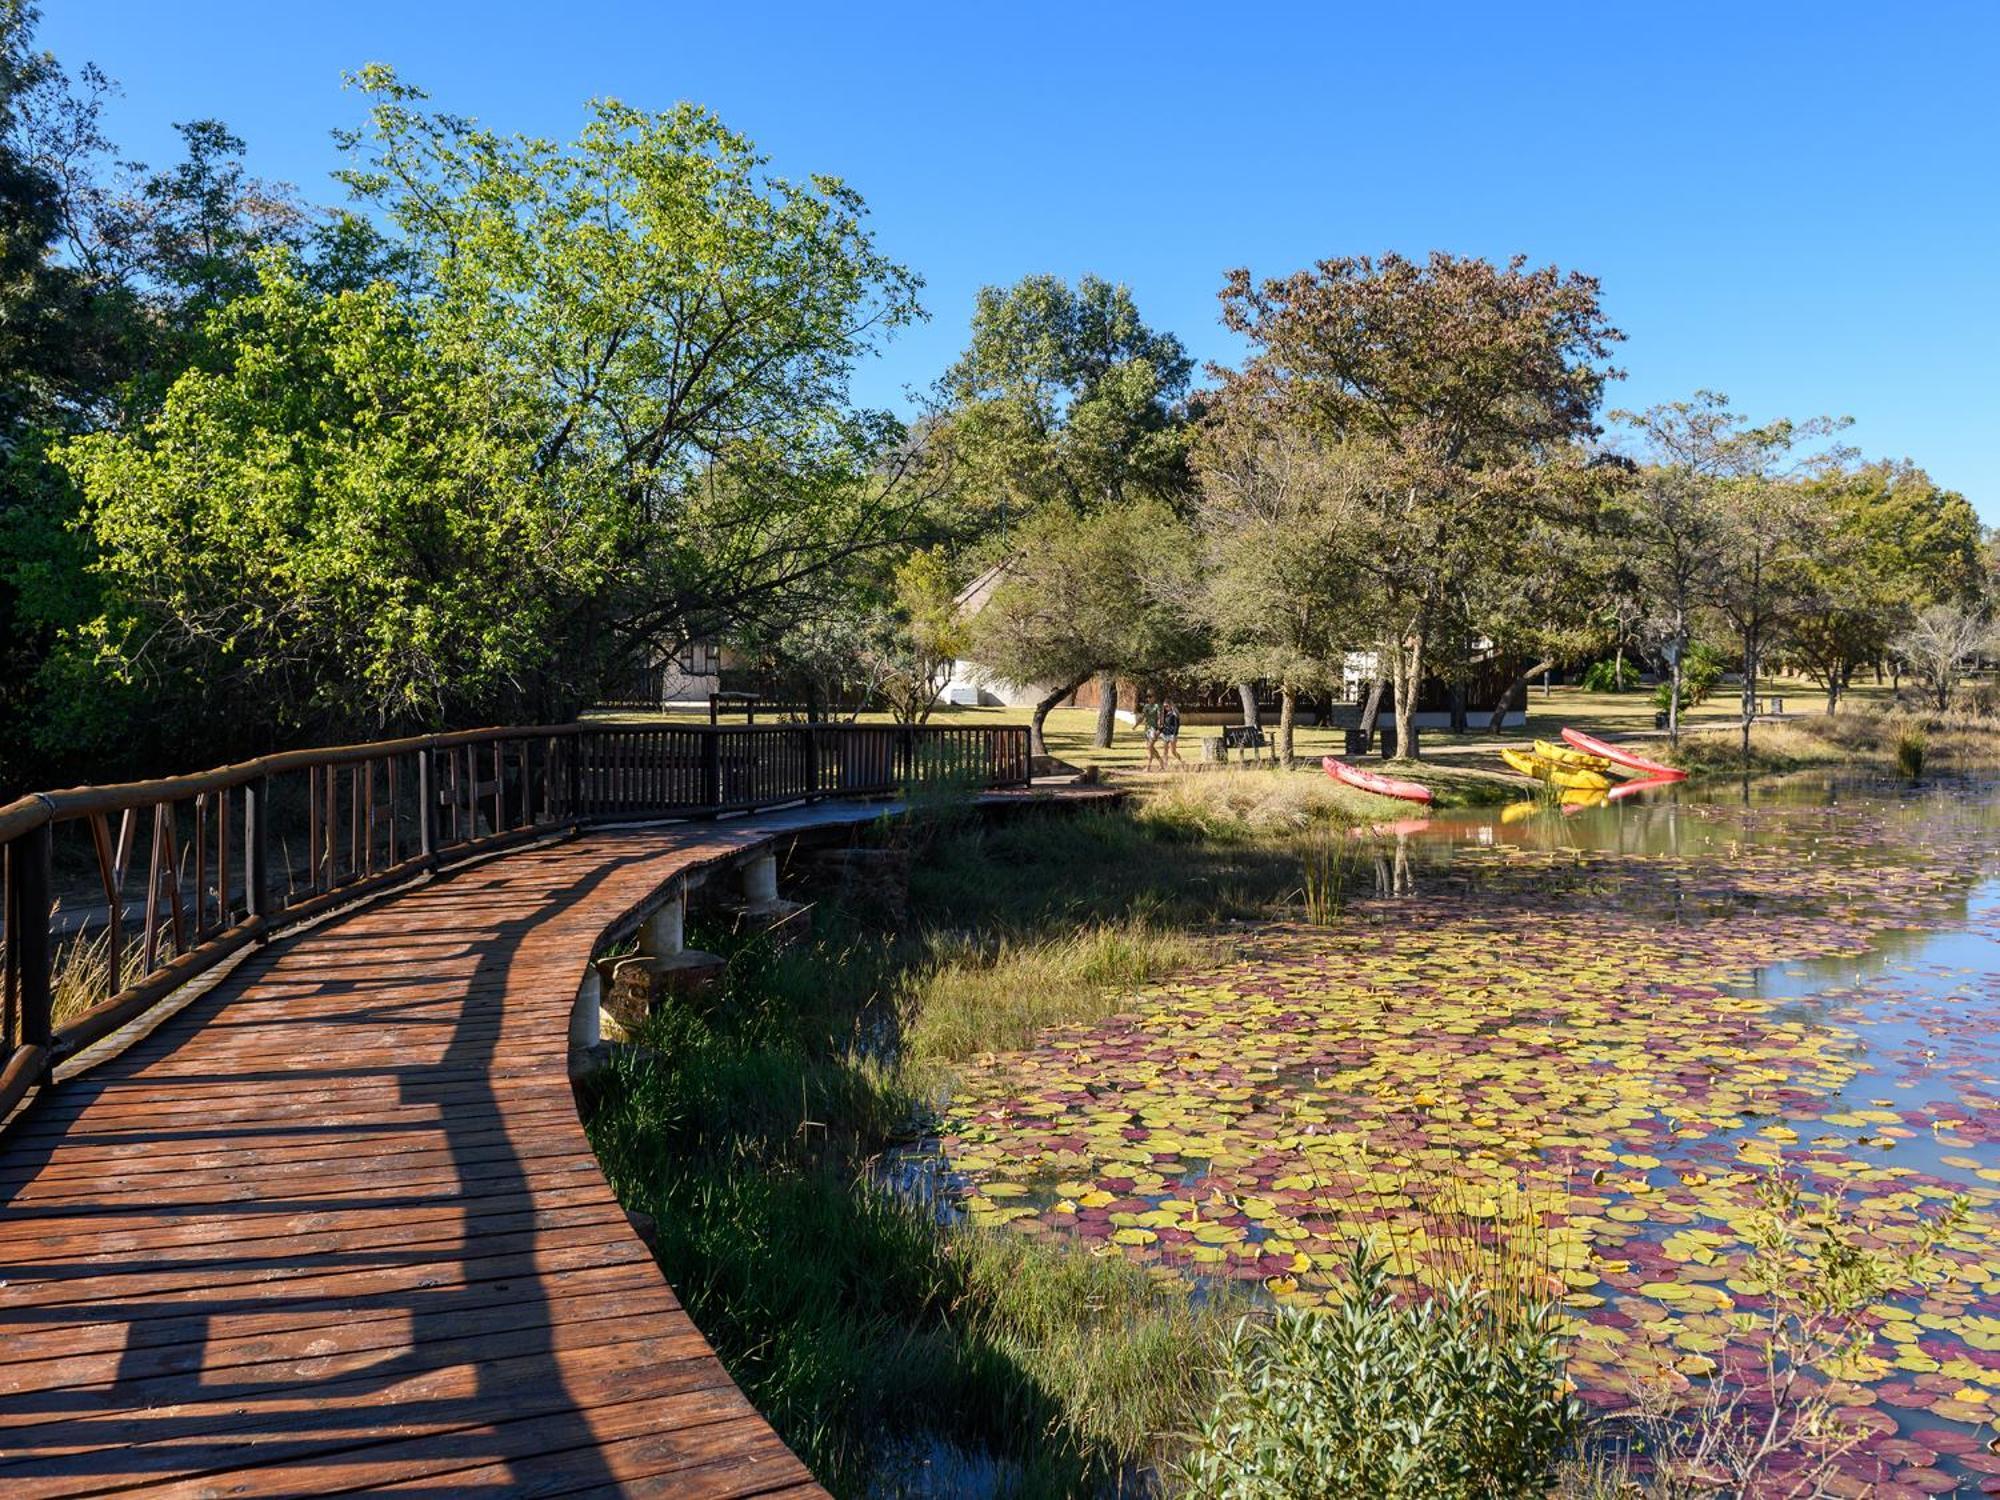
28,932
427,803
572,751
256,847
711,768
811,736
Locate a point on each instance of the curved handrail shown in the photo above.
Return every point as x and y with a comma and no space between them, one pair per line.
373,815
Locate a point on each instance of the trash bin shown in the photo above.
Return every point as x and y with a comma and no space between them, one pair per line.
1357,741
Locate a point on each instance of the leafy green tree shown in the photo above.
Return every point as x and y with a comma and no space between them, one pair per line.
111,272
1449,383
1278,591
1539,597
335,530
1719,518
1893,543
1085,594
681,324
1764,520
918,634
1064,396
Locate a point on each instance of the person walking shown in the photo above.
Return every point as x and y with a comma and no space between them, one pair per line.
1149,721
1170,734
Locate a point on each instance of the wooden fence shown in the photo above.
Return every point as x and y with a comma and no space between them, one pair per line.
115,896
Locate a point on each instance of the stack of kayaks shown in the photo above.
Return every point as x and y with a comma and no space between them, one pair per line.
1582,768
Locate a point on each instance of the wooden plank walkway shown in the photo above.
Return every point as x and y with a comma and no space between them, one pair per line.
336,1227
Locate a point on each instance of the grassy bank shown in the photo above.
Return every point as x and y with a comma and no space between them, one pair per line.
892,1351
1874,739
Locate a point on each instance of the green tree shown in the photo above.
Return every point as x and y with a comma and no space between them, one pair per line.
1449,383
1085,594
336,529
111,272
1278,590
1894,542
1064,396
682,325
1722,518
918,634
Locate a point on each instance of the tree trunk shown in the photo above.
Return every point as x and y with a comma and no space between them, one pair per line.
1498,721
1409,669
1618,670
1749,688
1037,744
1674,698
1107,710
1371,707
1288,707
1836,679
1246,694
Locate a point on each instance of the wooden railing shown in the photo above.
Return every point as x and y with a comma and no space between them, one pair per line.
116,896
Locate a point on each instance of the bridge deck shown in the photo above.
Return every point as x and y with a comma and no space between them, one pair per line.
336,1226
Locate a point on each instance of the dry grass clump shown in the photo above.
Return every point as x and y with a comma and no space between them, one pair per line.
1790,746
1246,804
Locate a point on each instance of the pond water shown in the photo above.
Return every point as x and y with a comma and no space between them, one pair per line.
1623,1024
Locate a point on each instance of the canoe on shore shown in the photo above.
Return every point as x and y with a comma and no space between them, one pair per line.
1553,774
1368,781
1618,755
1570,758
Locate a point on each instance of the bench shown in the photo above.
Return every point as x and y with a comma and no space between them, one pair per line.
1248,740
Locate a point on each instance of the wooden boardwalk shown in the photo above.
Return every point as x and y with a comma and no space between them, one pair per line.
335,1227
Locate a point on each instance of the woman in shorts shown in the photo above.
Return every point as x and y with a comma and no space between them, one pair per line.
1170,734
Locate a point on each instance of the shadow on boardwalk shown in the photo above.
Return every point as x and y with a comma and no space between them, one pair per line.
336,1226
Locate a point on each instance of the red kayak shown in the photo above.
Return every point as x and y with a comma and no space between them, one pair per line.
1368,781
1618,756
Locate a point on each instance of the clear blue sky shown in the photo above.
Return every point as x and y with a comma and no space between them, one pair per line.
1798,204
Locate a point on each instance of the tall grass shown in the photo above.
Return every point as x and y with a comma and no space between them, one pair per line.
1886,740
747,1127
1911,745
972,996
1237,805
80,971
744,1126
1327,863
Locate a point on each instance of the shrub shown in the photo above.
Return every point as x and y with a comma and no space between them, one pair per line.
1448,1395
1613,676
1701,670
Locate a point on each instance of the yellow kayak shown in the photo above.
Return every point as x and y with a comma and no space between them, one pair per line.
1569,759
1555,775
